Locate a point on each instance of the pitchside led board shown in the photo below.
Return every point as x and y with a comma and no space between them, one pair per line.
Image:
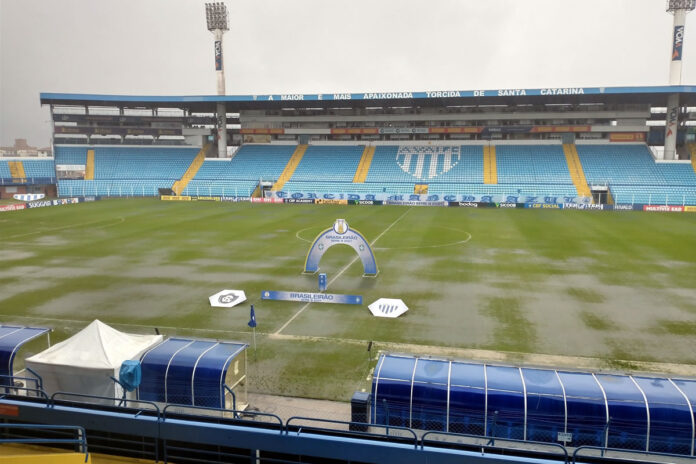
341,234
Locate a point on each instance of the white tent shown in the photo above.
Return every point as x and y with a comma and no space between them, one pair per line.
84,362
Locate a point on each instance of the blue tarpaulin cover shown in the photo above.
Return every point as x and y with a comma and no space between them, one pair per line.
575,408
130,374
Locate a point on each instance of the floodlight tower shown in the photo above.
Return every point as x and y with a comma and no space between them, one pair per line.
216,17
678,8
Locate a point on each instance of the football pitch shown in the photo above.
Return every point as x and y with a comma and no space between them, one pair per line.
576,289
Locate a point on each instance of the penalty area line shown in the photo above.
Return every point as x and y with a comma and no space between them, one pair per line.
344,269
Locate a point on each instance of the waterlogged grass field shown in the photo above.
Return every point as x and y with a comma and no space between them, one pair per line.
570,288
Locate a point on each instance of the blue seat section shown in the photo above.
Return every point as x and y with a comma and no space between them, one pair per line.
113,188
5,170
39,168
535,164
126,171
70,155
538,171
633,175
328,163
141,163
37,171
240,175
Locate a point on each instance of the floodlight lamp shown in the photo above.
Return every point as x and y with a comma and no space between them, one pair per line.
216,16
680,5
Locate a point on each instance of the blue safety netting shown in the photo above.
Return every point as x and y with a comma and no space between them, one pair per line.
187,372
572,408
11,339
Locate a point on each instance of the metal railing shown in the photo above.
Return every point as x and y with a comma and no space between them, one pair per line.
526,446
407,434
118,403
238,417
80,441
28,181
625,455
298,425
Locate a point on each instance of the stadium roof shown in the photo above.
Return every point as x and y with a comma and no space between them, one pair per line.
655,95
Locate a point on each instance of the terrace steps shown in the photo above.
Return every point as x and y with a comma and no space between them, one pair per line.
420,189
290,167
364,165
190,173
575,170
17,170
89,165
490,166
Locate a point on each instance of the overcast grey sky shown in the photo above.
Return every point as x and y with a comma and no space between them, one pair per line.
162,47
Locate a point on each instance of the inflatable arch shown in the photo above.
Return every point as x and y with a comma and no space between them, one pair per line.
341,234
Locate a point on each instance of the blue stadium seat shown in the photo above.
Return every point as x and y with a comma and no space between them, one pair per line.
240,175
65,154
633,176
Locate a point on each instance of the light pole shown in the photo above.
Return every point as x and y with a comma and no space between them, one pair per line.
217,20
678,8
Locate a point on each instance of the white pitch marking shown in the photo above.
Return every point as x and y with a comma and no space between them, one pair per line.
277,332
459,242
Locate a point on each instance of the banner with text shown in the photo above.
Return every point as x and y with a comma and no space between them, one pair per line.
388,198
311,297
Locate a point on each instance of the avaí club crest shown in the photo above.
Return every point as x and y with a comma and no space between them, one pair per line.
425,163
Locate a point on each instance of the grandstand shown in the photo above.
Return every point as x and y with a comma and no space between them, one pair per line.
629,171
498,145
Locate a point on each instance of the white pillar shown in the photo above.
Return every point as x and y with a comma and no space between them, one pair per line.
671,125
219,62
221,118
220,110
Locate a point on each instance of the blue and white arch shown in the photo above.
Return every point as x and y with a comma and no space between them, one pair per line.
341,234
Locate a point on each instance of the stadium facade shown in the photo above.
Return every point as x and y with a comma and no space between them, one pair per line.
578,145
611,113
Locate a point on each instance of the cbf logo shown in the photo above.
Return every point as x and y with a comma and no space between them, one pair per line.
425,163
340,226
